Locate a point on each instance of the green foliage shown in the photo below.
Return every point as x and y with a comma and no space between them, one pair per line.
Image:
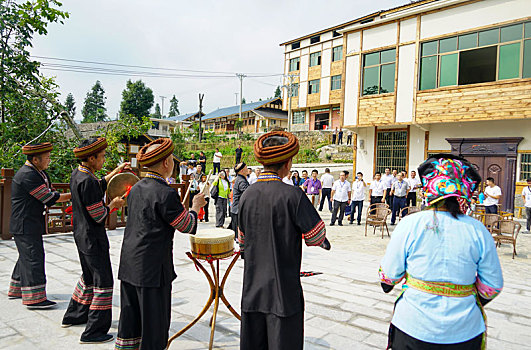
70,105
157,113
174,107
278,93
94,109
137,100
243,101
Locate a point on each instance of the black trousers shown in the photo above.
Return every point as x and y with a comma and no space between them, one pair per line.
326,194
528,216
145,315
91,302
403,341
218,167
234,224
411,199
340,139
338,206
238,159
356,206
491,209
389,198
398,204
260,331
349,139
28,280
205,208
221,211
375,199
334,136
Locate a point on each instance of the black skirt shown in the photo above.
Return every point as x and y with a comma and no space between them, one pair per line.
402,341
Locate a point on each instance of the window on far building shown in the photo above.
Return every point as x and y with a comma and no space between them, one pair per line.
379,72
295,90
315,39
335,34
294,64
313,86
315,59
296,45
488,55
337,53
525,166
298,117
391,150
335,83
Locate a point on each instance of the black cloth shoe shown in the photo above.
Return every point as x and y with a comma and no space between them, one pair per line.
340,224
350,222
97,340
47,304
332,224
359,223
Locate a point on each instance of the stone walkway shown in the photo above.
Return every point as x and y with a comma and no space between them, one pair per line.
345,307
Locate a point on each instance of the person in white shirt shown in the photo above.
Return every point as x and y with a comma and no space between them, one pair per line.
399,191
377,189
252,177
327,181
387,180
287,179
341,192
492,194
414,184
358,196
526,195
217,161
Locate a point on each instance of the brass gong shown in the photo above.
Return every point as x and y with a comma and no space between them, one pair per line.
120,184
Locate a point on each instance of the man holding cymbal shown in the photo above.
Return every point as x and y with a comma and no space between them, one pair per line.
146,261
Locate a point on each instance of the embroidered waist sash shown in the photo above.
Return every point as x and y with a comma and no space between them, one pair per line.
447,289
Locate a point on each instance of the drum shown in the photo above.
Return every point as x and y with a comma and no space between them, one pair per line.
212,244
120,184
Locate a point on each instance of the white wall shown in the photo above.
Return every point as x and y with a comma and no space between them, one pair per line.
304,64
303,93
473,15
380,36
325,91
364,157
406,83
295,53
337,42
351,90
316,48
326,61
408,30
327,45
326,36
416,147
353,43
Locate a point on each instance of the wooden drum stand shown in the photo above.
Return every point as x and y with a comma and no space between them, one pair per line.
216,293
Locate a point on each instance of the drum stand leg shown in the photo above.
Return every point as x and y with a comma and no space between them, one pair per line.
216,293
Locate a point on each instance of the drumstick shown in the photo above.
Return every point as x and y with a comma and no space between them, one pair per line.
208,179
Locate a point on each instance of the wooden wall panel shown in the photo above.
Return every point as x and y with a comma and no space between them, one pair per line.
314,100
498,100
336,68
314,73
378,110
335,96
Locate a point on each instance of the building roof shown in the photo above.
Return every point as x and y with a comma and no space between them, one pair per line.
246,107
272,113
183,117
361,19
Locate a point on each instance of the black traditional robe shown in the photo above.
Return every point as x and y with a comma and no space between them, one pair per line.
31,193
240,185
146,262
273,216
91,301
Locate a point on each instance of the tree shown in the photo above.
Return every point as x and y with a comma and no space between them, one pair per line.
174,107
28,100
137,100
278,93
94,109
70,105
157,112
243,101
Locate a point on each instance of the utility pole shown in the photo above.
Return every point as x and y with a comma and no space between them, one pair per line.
236,97
289,88
162,111
200,113
240,76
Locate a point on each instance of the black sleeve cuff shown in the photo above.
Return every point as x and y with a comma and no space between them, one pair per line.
194,228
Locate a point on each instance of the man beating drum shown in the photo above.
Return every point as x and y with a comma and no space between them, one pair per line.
146,261
272,217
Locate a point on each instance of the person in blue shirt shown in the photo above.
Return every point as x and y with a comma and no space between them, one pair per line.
448,263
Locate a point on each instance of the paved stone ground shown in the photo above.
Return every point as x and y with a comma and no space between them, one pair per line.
345,307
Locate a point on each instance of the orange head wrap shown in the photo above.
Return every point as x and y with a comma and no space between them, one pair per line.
281,152
37,148
90,150
157,155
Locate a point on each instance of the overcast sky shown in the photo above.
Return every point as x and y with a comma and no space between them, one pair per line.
223,35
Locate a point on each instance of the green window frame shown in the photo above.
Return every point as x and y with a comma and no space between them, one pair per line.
525,166
379,72
391,150
294,64
315,59
440,59
337,53
298,117
313,86
335,83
